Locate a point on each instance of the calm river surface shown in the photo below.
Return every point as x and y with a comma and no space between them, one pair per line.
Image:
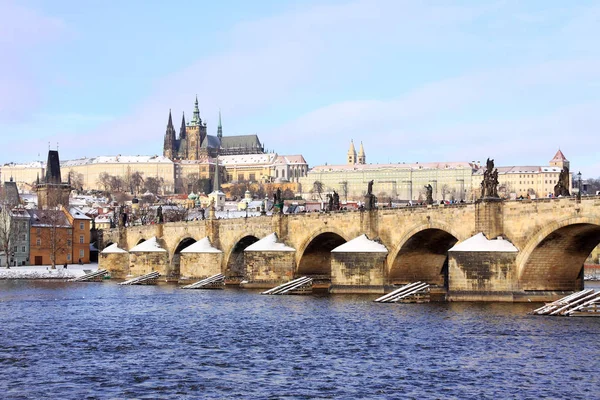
99,340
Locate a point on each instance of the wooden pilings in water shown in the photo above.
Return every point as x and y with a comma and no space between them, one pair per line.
96,276
584,303
417,292
301,285
213,282
148,279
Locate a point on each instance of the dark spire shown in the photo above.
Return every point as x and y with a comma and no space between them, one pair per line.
196,120
53,168
170,138
220,127
182,133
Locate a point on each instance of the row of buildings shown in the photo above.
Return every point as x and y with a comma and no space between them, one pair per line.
449,180
53,234
193,154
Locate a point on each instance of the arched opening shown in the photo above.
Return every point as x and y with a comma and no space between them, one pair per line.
556,263
236,266
316,259
424,257
176,259
107,244
142,240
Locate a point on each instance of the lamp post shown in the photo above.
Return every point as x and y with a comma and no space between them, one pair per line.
579,185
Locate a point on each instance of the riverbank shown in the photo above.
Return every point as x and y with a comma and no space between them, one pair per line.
46,271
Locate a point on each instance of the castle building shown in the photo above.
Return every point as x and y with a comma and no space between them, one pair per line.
193,142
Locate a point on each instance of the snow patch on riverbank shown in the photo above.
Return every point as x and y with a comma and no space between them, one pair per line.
46,272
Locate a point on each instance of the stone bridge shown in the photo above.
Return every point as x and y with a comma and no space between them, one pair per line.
552,237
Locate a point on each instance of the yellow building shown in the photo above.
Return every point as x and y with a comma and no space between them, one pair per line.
90,169
25,175
524,181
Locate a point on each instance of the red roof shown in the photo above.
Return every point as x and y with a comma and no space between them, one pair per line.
559,156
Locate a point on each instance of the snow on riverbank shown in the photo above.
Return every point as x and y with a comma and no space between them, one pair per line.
46,272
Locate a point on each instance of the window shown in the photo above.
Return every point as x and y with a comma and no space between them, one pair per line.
22,249
81,225
251,177
68,242
38,230
16,249
81,239
240,177
38,242
81,253
68,257
24,236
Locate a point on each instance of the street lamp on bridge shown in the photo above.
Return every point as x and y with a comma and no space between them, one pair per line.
579,185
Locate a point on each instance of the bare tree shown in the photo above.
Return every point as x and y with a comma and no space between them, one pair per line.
175,214
104,181
116,183
318,188
445,191
10,227
136,182
344,189
153,185
76,179
53,234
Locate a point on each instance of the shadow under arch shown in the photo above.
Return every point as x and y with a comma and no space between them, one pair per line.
235,268
315,258
175,269
422,255
553,259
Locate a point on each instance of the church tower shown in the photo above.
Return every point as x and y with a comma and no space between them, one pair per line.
169,146
560,160
220,127
351,154
53,191
196,133
182,141
362,158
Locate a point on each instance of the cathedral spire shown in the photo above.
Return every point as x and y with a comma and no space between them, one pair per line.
196,120
216,185
182,129
170,138
220,127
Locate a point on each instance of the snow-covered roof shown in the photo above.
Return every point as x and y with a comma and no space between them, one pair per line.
201,246
117,160
247,159
78,214
150,245
361,244
293,159
409,166
480,243
113,248
33,164
269,243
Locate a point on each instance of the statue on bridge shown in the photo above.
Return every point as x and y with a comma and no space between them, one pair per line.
159,215
336,201
370,198
429,194
277,200
329,202
489,184
562,186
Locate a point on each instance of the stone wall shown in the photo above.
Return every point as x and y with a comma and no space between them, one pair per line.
115,263
196,266
357,272
483,273
269,269
144,263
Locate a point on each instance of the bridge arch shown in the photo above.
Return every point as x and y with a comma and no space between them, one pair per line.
553,258
235,265
183,242
422,254
314,255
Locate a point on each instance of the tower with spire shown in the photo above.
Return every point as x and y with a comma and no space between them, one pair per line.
170,146
195,134
220,128
351,154
362,158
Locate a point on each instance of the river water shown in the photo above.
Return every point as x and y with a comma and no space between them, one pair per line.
100,340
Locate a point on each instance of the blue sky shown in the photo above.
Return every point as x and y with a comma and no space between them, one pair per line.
414,81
